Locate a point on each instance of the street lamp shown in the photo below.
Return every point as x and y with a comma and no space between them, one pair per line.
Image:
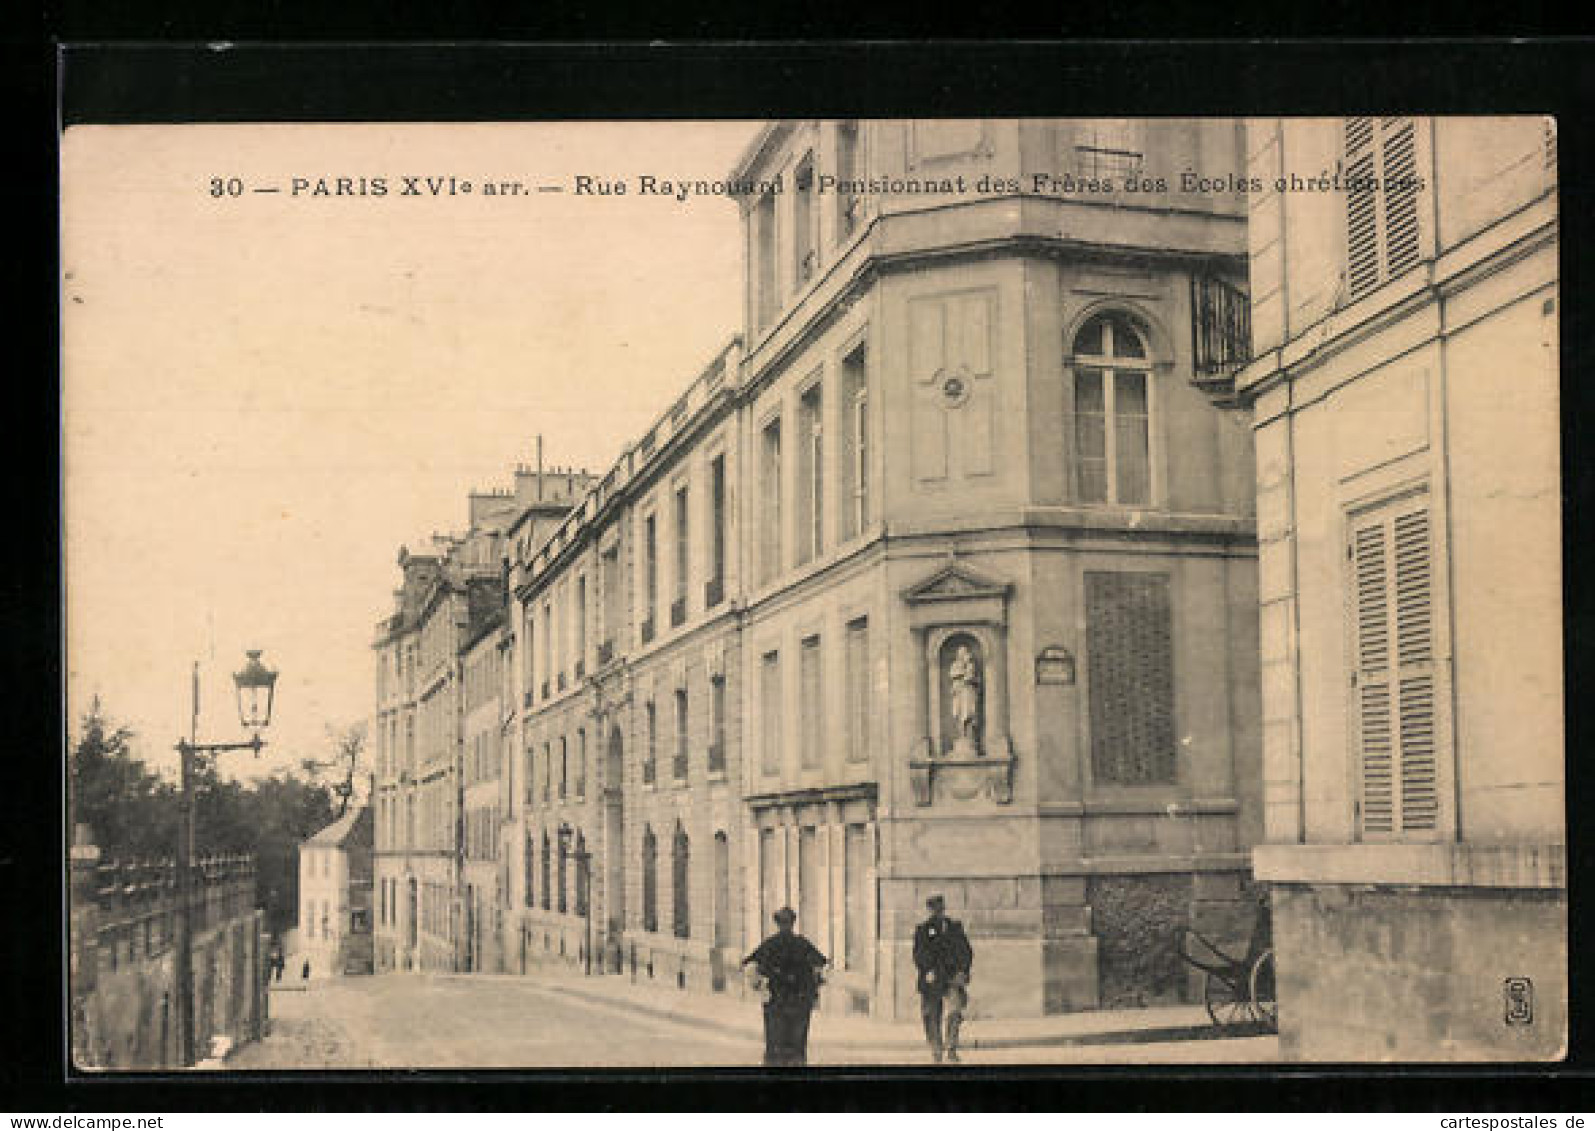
255,686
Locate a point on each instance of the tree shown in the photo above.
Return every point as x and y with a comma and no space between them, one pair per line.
131,812
342,771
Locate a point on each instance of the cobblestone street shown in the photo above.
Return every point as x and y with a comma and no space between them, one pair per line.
459,1022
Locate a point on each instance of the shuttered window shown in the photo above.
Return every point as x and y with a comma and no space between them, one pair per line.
1381,166
1395,684
1129,643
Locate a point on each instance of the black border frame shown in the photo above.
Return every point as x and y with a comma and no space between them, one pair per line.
120,80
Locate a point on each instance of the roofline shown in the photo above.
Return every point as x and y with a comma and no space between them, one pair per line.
761,143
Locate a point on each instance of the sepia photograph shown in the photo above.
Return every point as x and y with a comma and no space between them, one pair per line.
813,592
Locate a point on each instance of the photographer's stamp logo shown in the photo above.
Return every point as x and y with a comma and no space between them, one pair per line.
1519,994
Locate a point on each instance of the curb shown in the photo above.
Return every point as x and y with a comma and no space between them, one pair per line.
1204,1032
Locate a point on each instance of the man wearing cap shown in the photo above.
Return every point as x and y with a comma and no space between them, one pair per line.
943,957
789,966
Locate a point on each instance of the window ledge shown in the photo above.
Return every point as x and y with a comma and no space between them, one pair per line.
1540,865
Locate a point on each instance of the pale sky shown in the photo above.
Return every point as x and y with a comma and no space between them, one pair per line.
265,396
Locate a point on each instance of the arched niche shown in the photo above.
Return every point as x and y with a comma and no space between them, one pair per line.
963,751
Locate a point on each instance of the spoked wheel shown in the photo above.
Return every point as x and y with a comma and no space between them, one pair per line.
1265,1000
1228,1000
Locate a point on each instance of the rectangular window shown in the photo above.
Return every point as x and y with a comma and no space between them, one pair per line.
809,883
766,300
857,678
650,753
770,712
770,497
717,725
847,171
678,764
1381,222
853,493
1110,148
811,705
811,474
580,642
856,863
650,578
772,879
678,607
548,649
714,591
1129,647
614,603
804,254
1396,696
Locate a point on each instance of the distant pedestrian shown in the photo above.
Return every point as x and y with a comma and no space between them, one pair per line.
789,966
304,973
943,957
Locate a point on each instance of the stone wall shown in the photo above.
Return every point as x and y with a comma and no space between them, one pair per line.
123,974
1387,972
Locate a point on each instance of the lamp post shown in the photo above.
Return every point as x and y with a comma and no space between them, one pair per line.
255,687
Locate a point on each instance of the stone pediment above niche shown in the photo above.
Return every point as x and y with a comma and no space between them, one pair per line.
956,594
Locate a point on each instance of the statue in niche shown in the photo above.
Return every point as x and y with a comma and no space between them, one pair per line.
963,681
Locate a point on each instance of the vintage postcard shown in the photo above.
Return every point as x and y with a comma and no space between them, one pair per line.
813,592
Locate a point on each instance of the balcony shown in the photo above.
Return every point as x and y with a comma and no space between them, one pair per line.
714,591
678,612
606,652
648,631
1221,334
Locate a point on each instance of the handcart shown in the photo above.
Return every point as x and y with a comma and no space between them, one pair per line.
1238,990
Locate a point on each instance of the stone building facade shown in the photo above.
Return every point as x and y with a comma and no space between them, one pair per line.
335,884
941,578
1405,401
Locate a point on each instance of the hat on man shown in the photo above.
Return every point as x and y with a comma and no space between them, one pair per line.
936,903
785,917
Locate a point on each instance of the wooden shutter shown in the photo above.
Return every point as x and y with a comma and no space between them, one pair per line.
1395,685
1382,234
1362,221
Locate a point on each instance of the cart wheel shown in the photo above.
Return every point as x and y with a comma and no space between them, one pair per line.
1228,1000
1265,1000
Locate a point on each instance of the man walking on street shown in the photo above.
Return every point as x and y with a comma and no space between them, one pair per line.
943,957
789,966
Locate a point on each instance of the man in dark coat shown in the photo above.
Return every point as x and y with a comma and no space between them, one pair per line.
943,958
789,965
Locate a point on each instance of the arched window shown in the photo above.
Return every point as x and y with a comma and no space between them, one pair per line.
650,881
546,876
1112,412
679,884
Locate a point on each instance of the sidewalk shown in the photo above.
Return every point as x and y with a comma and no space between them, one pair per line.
741,1016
